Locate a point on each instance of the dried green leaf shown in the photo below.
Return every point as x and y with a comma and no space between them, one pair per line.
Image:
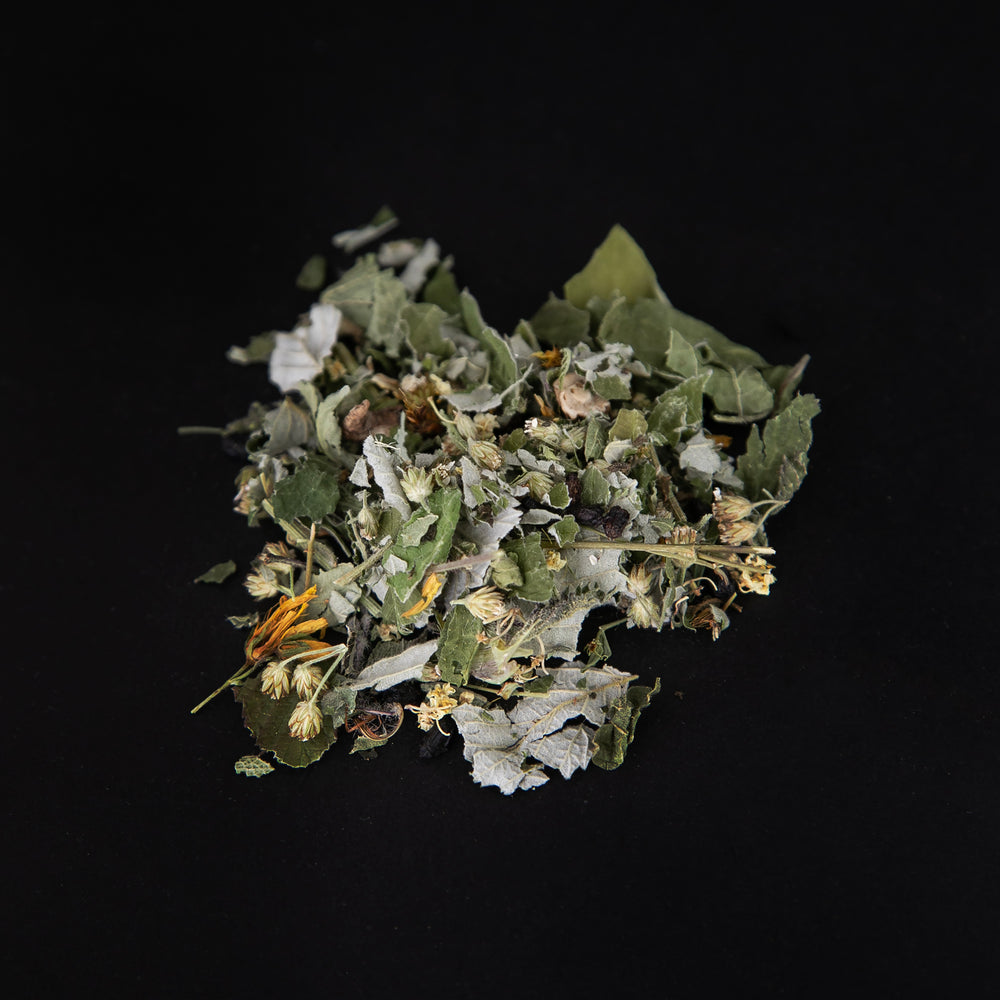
446,506
267,720
743,394
614,737
287,426
618,265
386,672
629,425
310,493
594,488
643,325
527,552
458,645
423,324
503,367
561,324
354,292
776,464
441,290
338,704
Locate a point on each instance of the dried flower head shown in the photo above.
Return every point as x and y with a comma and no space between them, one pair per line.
464,425
281,625
639,580
305,721
538,483
486,453
643,612
486,424
729,507
307,679
275,680
737,532
488,604
263,584
417,484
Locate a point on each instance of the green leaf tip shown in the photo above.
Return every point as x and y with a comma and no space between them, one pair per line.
617,266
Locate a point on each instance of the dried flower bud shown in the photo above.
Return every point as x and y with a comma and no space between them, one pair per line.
464,425
466,697
486,453
275,680
709,616
737,532
306,679
542,430
486,424
368,520
729,507
538,483
440,386
417,484
305,721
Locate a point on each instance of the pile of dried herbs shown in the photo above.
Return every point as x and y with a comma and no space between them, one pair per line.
454,501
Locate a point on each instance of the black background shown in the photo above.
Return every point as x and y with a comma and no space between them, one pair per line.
819,809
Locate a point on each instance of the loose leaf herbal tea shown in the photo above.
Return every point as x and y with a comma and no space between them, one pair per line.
453,502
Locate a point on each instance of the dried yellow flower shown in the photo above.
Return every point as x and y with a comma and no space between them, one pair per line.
436,705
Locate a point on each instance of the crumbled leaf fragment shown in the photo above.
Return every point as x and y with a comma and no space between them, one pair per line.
253,766
613,738
776,463
312,277
217,573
